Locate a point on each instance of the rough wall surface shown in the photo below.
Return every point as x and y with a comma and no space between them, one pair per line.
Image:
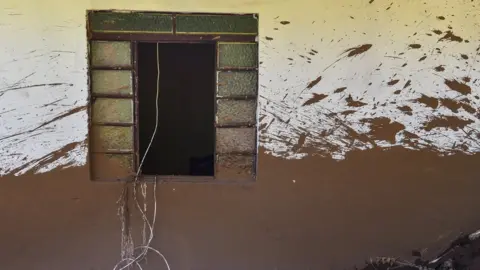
342,82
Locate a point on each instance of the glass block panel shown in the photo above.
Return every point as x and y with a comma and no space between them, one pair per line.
114,82
111,166
125,22
111,138
234,167
110,110
236,112
235,140
110,54
217,24
237,83
237,55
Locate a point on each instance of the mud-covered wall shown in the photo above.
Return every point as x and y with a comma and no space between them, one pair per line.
368,140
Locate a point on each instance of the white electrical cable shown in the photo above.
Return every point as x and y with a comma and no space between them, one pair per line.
146,246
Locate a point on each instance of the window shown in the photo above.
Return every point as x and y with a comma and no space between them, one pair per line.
207,65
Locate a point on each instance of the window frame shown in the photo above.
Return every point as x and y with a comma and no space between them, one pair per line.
201,38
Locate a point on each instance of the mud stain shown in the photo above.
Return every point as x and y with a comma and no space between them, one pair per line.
300,142
408,135
316,98
438,32
405,109
354,103
468,108
347,112
68,113
393,82
47,159
466,79
407,84
458,86
285,22
449,36
268,38
439,68
339,90
314,82
464,56
428,101
382,128
397,92
371,1
422,58
449,122
441,18
451,104
358,50
415,46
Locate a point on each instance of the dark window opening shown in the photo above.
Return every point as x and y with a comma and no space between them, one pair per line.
185,140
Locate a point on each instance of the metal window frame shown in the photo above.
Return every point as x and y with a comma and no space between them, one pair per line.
134,39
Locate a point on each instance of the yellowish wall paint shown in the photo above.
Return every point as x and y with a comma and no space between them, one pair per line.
43,82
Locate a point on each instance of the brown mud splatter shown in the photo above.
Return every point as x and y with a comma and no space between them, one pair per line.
314,82
268,38
407,84
405,109
316,98
347,112
300,142
458,86
371,1
393,82
415,46
451,104
468,108
466,79
354,103
397,92
358,50
441,18
404,65
439,68
47,159
382,128
438,32
339,90
422,58
449,122
409,135
428,101
464,56
449,36
285,22
68,113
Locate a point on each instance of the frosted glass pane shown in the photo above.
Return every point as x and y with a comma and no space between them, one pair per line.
235,140
237,83
237,55
111,54
236,112
111,138
115,82
110,110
